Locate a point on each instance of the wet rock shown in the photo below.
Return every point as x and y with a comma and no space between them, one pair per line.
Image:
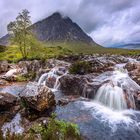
4,66
134,71
3,82
137,100
30,66
7,101
78,85
37,97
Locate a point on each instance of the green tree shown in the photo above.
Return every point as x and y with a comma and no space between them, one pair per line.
20,33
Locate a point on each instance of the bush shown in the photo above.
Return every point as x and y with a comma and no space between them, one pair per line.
57,130
80,67
2,48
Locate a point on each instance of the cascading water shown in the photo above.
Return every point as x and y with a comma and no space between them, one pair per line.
46,76
118,93
111,96
52,76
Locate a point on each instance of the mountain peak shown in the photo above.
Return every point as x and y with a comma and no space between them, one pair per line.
59,28
55,28
56,15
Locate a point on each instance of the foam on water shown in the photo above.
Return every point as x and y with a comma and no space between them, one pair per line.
56,73
111,96
107,116
46,76
118,93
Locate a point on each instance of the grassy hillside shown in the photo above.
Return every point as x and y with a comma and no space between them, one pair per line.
54,50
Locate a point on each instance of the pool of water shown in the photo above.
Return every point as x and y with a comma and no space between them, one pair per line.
97,122
13,89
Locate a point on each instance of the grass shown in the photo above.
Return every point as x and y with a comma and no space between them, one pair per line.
54,50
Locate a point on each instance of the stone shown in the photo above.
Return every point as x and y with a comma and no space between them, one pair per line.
134,71
37,97
4,66
78,85
7,101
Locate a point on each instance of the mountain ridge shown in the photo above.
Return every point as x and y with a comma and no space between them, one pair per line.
56,28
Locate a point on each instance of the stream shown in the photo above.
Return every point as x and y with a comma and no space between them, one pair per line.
111,115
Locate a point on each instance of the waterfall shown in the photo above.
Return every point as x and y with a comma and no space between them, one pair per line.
119,92
111,96
52,77
46,76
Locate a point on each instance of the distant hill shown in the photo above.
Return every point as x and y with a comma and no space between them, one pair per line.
129,46
56,28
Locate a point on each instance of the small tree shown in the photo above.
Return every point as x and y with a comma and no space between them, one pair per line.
20,33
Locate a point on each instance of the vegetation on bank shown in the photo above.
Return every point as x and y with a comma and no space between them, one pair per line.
26,46
20,35
53,130
55,50
80,67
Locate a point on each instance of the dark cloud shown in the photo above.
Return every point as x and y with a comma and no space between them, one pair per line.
108,22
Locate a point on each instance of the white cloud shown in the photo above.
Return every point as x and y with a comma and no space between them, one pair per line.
109,22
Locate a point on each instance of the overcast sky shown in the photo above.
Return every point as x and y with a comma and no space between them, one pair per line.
108,22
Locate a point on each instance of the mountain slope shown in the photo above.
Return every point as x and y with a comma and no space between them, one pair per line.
56,28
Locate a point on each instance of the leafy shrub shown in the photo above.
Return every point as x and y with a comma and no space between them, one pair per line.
57,130
80,67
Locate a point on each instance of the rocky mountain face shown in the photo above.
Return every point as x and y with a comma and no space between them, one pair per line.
56,28
4,41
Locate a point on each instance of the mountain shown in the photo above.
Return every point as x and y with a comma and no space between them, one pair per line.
56,28
4,41
129,46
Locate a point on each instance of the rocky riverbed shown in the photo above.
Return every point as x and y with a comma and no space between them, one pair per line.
48,86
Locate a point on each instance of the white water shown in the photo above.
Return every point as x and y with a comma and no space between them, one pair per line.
118,93
46,76
111,96
14,126
113,119
54,74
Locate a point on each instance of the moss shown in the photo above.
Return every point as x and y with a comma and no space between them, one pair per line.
80,67
21,79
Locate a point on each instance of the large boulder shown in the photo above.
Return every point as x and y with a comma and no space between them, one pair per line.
7,101
134,71
80,85
37,97
30,66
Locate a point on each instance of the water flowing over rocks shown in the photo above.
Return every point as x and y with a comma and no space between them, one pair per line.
36,97
78,85
104,63
101,102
